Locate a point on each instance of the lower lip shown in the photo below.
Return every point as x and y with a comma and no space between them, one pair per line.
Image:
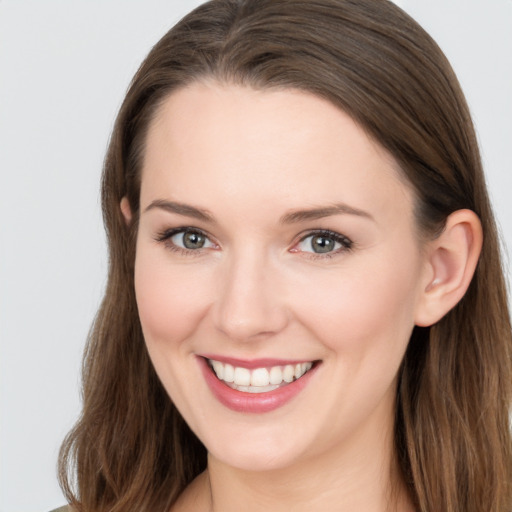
240,401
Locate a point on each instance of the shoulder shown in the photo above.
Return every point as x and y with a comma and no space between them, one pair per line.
65,508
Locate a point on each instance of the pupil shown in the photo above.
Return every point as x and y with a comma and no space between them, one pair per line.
322,244
193,240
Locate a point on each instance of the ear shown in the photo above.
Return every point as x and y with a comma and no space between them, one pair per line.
451,262
126,210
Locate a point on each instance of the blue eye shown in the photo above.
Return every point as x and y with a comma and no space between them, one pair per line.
324,242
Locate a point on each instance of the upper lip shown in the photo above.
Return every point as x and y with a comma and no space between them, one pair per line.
254,363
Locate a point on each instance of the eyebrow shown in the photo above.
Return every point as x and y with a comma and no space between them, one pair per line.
181,209
320,213
289,218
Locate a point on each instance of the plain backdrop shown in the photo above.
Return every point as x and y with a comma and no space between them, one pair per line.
64,67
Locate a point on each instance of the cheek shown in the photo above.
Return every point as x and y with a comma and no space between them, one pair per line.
365,307
171,299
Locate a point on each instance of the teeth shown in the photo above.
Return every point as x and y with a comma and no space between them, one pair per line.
229,373
242,377
254,389
260,377
276,375
288,373
218,368
259,380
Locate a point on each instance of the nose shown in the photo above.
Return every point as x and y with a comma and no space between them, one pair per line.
250,302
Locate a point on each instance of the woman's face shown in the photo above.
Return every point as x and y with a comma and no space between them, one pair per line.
275,238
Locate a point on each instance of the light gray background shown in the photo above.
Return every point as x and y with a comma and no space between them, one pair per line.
64,67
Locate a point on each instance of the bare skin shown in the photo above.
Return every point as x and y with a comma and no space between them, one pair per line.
246,169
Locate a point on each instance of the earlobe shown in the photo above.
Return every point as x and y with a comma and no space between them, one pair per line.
126,210
452,260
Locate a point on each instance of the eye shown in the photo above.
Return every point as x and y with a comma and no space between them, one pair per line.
190,240
186,239
323,242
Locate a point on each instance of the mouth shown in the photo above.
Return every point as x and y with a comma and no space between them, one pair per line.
259,380
257,386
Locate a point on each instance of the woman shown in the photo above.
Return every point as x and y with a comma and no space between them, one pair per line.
306,307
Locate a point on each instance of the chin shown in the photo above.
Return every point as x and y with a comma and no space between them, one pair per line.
253,460
255,451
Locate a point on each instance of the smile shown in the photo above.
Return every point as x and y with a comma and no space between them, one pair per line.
258,380
256,386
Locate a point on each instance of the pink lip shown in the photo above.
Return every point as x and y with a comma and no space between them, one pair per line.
252,402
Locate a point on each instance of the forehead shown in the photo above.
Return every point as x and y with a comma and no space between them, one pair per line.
226,142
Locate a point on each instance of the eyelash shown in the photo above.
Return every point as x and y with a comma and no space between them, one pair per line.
165,238
346,244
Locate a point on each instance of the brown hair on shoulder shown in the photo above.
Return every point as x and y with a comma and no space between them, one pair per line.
130,449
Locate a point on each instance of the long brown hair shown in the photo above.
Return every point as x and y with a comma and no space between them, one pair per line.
131,450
